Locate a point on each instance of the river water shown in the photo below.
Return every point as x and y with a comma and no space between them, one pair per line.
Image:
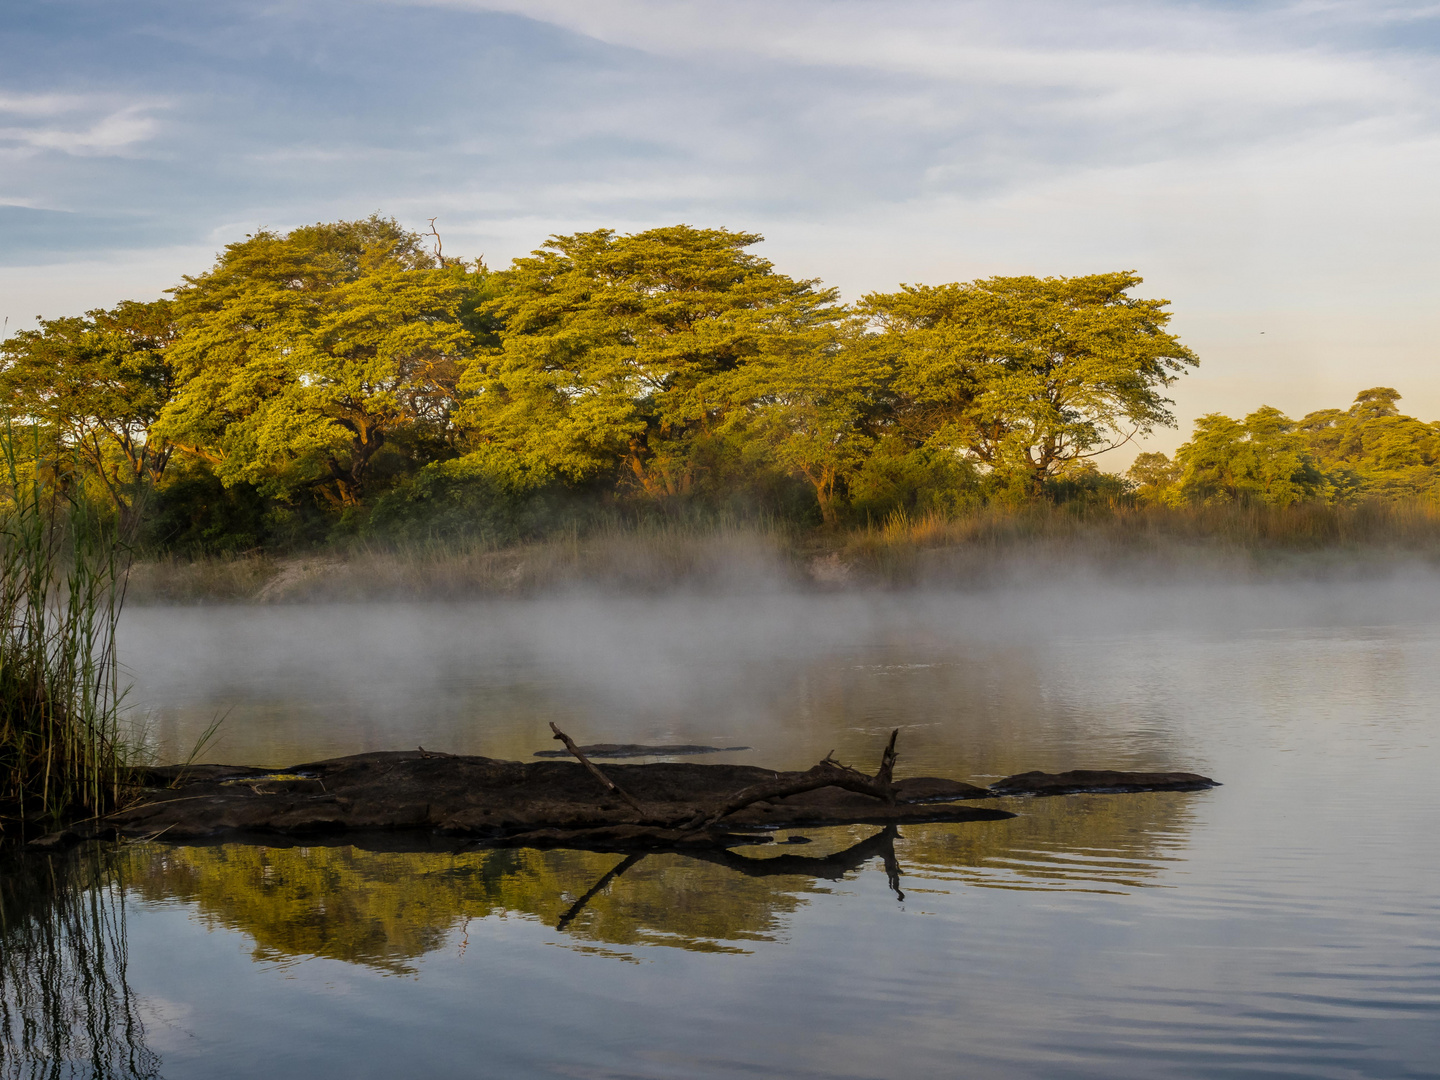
1286,923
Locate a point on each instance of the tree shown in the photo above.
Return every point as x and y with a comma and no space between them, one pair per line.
1387,454
613,349
1265,459
302,355
1026,374
810,398
97,383
1153,475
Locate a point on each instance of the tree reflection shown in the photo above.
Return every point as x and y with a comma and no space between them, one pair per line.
386,908
65,1006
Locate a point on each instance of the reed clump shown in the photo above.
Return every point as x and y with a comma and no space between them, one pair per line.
63,750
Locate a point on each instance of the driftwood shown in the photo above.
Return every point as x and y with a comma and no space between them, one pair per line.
826,773
595,772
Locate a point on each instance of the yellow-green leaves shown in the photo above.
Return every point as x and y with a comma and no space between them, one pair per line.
303,355
614,351
1024,374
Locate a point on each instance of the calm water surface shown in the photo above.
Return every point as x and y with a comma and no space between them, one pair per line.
1286,923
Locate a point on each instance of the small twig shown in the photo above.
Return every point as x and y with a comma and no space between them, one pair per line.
609,784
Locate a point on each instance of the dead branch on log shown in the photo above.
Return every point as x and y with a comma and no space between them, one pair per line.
826,773
609,784
887,766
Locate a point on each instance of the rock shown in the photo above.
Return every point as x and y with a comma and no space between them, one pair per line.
63,840
627,750
497,801
1101,780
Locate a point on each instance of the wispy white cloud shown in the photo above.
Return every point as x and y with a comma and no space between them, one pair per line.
1252,159
75,124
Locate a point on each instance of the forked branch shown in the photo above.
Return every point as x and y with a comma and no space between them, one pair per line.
595,772
826,773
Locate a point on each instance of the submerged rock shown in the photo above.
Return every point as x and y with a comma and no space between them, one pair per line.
608,750
1099,780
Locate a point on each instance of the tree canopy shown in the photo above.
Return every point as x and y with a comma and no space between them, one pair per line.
614,350
346,376
1027,374
299,357
1369,451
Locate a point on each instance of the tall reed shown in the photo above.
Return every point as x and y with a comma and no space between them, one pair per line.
63,753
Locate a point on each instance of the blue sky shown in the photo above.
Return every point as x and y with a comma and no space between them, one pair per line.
1267,166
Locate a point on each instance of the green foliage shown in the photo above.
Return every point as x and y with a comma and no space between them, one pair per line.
1372,451
343,381
301,356
195,514
1026,374
489,493
1369,451
1152,474
62,750
615,351
1264,458
95,385
896,478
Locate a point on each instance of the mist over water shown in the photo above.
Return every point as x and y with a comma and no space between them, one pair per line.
782,672
1285,923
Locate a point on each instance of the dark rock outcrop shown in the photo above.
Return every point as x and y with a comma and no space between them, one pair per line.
510,802
610,751
680,805
1099,780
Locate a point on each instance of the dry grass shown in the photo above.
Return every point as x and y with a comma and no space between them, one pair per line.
647,559
1140,541
992,545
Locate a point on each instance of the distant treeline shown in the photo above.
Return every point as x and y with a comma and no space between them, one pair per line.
348,379
1368,452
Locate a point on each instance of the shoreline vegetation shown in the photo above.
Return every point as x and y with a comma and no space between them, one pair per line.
343,404
1037,544
64,749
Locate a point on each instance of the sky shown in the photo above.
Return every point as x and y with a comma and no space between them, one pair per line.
1269,168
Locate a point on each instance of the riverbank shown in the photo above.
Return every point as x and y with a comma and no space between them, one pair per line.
990,547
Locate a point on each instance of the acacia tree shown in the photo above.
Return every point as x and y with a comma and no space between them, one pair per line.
300,356
813,398
1263,458
613,349
1026,374
97,383
1382,452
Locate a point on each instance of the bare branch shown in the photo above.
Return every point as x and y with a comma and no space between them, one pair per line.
609,784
